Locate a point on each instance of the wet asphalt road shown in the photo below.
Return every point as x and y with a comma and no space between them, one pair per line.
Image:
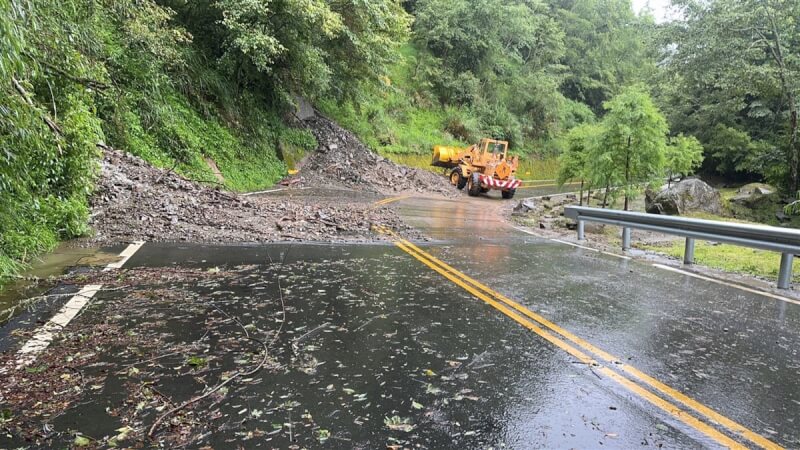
371,334
731,350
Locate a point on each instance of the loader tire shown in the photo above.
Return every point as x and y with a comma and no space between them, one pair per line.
474,186
509,194
457,179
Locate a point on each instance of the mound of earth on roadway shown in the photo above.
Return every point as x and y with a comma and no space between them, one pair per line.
341,159
136,201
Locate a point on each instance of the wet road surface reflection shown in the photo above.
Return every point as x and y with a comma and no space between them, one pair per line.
367,351
366,347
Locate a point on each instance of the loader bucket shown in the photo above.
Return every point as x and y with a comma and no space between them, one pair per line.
445,156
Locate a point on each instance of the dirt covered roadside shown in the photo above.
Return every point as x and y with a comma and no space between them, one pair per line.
342,160
546,215
136,201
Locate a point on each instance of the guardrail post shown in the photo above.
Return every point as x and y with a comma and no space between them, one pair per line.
626,239
581,230
688,252
785,274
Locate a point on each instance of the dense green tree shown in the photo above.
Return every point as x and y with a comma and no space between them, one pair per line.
573,163
631,146
683,155
606,48
498,57
313,48
735,63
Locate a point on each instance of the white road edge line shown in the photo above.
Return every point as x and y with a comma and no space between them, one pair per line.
725,283
592,249
126,254
574,245
627,258
676,270
47,332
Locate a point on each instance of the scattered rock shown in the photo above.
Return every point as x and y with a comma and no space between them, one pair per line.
689,195
525,206
134,200
755,189
753,194
343,160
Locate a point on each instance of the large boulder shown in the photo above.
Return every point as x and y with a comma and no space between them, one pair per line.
690,195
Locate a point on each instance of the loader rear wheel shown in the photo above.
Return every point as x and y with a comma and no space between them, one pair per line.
509,194
457,179
474,186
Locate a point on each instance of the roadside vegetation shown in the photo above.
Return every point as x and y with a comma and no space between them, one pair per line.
585,90
730,258
733,258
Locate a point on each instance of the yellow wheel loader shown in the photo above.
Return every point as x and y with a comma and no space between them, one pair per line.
480,167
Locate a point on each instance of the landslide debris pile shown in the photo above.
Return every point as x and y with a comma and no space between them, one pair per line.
136,201
342,159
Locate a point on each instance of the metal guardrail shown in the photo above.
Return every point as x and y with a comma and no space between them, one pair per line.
783,240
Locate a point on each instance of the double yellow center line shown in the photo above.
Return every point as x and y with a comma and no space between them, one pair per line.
637,382
386,201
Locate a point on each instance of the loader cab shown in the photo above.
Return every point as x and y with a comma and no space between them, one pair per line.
498,149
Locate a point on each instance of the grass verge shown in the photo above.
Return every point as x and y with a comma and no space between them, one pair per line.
730,258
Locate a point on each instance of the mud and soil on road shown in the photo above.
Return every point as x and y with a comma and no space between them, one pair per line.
136,201
342,159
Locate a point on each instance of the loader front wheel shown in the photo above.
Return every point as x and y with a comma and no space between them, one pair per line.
474,186
457,180
509,194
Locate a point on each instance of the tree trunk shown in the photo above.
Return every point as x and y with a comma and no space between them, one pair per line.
794,149
580,196
605,197
627,172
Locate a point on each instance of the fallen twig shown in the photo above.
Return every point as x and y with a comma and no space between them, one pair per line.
295,343
171,169
238,374
219,386
379,316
